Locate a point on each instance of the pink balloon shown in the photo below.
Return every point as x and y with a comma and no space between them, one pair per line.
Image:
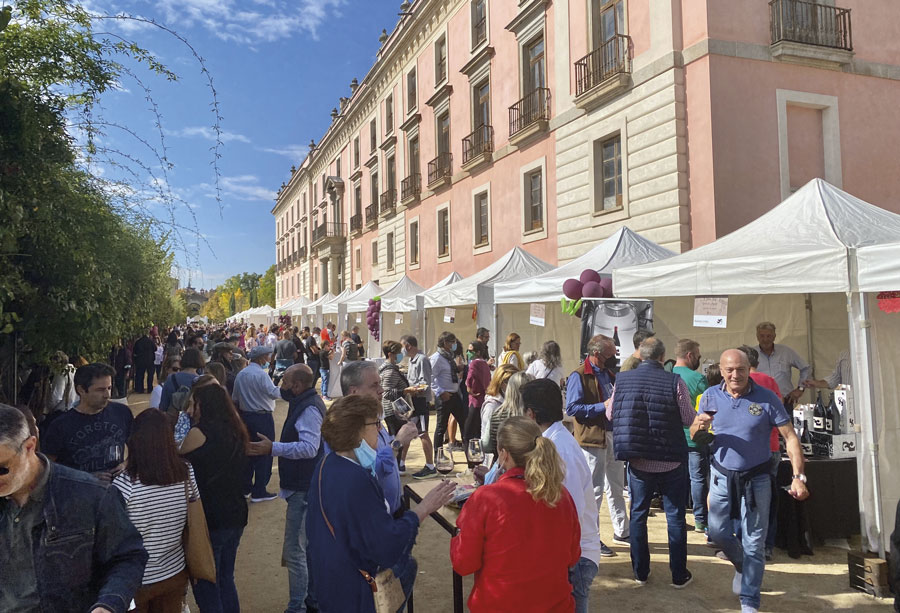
589,275
592,289
572,289
606,284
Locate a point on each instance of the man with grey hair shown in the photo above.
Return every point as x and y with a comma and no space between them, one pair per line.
649,409
589,386
68,544
362,378
777,362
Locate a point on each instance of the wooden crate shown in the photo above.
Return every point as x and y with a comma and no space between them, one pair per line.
868,573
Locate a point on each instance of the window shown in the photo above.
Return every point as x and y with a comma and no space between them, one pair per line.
481,219
443,232
391,173
608,174
389,247
373,136
304,203
374,253
356,152
534,205
443,133
440,60
357,200
535,77
479,22
315,193
358,258
374,189
413,242
411,94
607,20
337,167
413,155
481,104
389,114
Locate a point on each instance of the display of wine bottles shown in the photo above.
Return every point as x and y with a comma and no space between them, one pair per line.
819,415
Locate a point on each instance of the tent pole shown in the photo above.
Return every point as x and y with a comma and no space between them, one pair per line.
809,336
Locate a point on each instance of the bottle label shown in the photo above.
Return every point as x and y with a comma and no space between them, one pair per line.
818,423
829,425
807,448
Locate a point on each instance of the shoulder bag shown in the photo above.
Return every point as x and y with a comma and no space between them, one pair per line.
386,589
198,552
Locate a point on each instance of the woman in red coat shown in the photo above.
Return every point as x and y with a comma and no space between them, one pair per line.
520,535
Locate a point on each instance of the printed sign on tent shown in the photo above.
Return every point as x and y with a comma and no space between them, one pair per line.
710,311
449,316
359,318
398,318
536,317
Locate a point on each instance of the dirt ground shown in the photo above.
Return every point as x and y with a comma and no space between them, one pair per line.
813,583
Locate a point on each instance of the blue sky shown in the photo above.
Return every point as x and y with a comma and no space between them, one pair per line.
278,69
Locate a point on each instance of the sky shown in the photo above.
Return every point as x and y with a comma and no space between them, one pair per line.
278,68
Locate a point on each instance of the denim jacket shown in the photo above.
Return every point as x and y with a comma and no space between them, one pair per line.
87,553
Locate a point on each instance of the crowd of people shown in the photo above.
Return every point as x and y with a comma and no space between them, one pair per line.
93,508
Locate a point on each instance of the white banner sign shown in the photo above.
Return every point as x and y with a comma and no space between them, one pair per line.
359,318
449,316
536,318
711,312
398,318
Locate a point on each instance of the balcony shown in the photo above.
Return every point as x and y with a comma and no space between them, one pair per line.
604,72
529,116
301,253
388,202
810,33
440,170
371,216
329,233
478,147
356,224
410,189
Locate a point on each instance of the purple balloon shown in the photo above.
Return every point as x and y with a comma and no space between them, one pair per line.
589,275
606,284
572,289
592,289
371,302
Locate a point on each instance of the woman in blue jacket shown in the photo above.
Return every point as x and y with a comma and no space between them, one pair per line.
365,536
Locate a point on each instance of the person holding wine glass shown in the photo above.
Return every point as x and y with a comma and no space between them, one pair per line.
395,386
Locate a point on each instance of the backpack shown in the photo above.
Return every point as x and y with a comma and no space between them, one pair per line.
352,350
179,400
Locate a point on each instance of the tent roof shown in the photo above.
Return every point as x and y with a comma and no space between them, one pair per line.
624,248
879,267
410,303
515,264
296,303
332,305
404,290
324,298
799,246
358,301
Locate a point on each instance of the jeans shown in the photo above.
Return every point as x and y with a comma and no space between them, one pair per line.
608,475
294,551
314,364
446,408
747,554
774,462
326,376
581,576
221,596
671,486
259,468
698,462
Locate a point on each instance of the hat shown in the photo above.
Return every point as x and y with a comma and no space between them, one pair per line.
223,347
259,351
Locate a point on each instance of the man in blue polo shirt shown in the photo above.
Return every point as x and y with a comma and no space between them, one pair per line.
740,485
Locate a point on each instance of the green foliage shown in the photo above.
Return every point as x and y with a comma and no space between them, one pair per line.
267,287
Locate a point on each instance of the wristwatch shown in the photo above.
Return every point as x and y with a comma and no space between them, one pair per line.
801,476
397,446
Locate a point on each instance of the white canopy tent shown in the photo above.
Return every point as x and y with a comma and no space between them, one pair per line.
819,240
294,306
478,290
311,314
514,298
403,310
352,312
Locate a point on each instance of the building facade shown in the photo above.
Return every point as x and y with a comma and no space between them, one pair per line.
485,124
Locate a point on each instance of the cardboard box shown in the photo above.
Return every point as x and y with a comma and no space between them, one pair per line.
842,445
843,399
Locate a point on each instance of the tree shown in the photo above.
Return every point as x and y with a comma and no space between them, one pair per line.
267,287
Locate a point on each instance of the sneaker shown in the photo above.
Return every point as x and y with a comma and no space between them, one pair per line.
769,554
246,496
699,526
679,585
736,584
622,540
264,498
644,580
426,473
745,608
402,467
606,552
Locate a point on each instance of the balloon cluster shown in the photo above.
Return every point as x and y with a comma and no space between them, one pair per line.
372,314
589,285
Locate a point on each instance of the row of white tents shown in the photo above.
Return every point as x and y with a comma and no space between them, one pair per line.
261,315
811,265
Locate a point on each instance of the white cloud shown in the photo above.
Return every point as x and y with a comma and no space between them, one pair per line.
240,187
209,134
293,152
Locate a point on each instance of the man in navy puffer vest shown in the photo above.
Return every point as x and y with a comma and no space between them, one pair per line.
649,409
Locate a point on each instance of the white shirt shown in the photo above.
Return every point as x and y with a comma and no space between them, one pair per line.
842,373
539,370
779,364
580,487
156,396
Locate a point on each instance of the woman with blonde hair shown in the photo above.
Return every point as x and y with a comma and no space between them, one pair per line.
521,534
493,397
512,406
511,353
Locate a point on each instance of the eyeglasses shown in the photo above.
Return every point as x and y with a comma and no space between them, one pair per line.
375,423
174,370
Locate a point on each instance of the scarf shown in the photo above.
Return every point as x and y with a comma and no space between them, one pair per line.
454,375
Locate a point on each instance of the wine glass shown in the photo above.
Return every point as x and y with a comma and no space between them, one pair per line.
476,455
443,461
402,409
114,456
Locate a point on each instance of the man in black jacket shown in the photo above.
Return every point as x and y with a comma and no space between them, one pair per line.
68,542
143,353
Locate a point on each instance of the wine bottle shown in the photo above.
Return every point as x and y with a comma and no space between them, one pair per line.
835,415
819,415
829,419
617,343
806,439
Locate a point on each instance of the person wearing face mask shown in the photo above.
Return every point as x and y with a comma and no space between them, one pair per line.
478,378
587,388
445,382
349,528
687,353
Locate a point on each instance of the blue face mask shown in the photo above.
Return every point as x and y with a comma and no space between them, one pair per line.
455,347
365,455
403,353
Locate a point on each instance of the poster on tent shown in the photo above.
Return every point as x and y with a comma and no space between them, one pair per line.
711,312
615,318
536,315
449,316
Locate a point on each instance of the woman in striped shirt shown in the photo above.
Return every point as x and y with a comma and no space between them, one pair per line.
156,486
